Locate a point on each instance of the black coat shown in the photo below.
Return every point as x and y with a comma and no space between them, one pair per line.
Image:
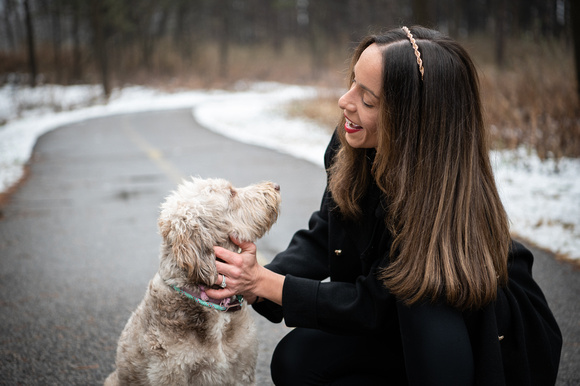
355,302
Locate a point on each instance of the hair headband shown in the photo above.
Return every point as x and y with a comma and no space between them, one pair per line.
416,48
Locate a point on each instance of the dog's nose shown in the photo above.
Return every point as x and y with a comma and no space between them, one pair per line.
276,187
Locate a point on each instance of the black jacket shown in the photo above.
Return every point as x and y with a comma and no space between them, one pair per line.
355,302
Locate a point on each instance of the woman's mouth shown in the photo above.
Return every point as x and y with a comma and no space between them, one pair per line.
351,127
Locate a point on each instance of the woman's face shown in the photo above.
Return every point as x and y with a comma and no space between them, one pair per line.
361,103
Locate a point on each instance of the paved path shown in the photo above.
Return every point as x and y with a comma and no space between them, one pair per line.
79,242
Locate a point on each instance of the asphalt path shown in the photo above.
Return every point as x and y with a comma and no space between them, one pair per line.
79,241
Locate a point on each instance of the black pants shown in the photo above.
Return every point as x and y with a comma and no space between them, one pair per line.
436,351
313,357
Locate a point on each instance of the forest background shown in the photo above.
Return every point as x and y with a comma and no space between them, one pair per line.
524,50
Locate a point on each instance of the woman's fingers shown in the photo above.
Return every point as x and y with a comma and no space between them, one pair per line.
238,269
245,246
223,281
220,293
225,254
232,268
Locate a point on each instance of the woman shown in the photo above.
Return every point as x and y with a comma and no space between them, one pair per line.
426,287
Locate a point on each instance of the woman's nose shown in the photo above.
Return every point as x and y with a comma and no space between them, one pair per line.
344,101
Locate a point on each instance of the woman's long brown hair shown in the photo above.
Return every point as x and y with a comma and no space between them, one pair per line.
451,232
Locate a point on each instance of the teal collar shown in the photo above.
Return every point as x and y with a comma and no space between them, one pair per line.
199,296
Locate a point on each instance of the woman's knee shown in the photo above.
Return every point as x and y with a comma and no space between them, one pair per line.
281,364
299,358
286,359
436,344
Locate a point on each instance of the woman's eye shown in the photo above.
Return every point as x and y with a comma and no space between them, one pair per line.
366,104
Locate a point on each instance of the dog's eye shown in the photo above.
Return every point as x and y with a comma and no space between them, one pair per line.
233,193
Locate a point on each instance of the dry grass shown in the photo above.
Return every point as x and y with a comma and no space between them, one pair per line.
287,63
533,101
323,110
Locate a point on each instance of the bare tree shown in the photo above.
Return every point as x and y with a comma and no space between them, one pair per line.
575,16
316,36
55,9
421,12
224,37
30,42
8,11
500,22
99,45
133,31
77,69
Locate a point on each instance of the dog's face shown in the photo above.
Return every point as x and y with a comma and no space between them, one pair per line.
203,213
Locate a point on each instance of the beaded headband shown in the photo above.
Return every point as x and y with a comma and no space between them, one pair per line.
416,48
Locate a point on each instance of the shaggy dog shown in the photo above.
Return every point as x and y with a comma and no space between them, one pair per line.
177,335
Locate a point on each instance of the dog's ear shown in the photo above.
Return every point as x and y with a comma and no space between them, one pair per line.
190,245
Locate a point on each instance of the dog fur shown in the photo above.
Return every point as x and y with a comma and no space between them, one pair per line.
172,340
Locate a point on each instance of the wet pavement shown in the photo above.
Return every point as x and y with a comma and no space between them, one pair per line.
79,241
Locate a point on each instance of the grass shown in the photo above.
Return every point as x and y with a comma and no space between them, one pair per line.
533,101
323,109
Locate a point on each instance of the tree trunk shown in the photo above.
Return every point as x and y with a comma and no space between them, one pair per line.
224,39
145,35
30,39
421,12
316,38
77,70
500,16
8,11
99,43
575,21
56,38
456,15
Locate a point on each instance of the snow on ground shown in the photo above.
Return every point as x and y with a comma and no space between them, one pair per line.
542,198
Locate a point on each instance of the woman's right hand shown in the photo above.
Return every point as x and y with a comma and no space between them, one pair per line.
245,276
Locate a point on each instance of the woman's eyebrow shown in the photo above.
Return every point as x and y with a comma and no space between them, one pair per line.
367,90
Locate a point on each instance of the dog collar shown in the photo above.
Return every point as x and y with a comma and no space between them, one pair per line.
233,303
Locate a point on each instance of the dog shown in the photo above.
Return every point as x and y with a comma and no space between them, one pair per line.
177,335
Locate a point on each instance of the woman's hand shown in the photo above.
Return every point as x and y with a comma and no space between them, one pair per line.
244,276
240,270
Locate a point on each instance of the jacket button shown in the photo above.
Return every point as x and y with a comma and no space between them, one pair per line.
338,252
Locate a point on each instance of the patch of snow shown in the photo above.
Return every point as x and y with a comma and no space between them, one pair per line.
542,199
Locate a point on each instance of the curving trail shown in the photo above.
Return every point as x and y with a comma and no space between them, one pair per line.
79,242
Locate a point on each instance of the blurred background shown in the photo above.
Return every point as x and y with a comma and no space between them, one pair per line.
524,51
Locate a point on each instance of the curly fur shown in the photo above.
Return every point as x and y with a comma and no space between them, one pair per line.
171,340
